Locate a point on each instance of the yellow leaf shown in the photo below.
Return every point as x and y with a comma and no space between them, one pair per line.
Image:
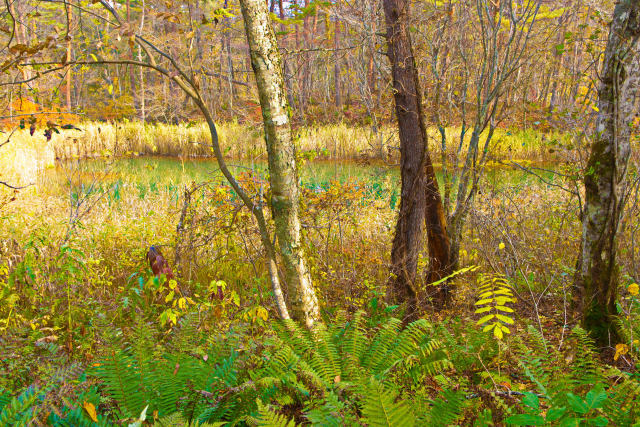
483,309
169,297
235,298
621,349
504,308
91,410
497,332
182,303
485,319
501,246
594,108
503,300
484,301
488,327
633,289
172,284
505,319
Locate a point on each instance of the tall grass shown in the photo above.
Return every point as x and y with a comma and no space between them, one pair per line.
25,154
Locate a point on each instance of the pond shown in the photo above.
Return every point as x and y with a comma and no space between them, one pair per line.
153,173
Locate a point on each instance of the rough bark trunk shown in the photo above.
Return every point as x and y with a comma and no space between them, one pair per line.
420,202
283,177
597,278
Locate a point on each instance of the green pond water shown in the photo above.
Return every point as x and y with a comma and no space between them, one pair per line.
150,174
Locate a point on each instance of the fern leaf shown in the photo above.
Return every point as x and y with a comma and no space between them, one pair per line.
18,410
270,418
380,408
446,409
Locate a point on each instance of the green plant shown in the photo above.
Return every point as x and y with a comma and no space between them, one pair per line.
628,322
574,393
51,406
369,368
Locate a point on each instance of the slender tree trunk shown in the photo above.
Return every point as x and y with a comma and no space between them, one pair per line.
226,47
556,67
287,71
131,70
336,62
67,88
283,176
597,278
420,202
306,67
21,36
143,111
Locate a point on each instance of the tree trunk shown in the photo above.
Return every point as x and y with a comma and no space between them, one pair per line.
597,278
21,37
336,62
287,72
226,48
67,89
143,111
131,70
283,176
420,202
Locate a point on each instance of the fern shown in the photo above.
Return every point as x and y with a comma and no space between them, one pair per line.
269,418
332,413
337,374
174,381
381,409
446,409
18,410
622,406
585,371
577,391
122,382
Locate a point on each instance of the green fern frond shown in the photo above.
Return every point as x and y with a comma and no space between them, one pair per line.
269,418
5,397
326,359
355,342
123,383
329,414
446,409
585,369
382,409
381,345
18,410
622,406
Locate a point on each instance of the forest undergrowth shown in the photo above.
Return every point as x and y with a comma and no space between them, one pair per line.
90,337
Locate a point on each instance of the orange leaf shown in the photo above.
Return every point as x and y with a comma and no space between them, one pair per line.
91,410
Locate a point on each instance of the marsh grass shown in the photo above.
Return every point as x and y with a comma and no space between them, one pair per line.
25,155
